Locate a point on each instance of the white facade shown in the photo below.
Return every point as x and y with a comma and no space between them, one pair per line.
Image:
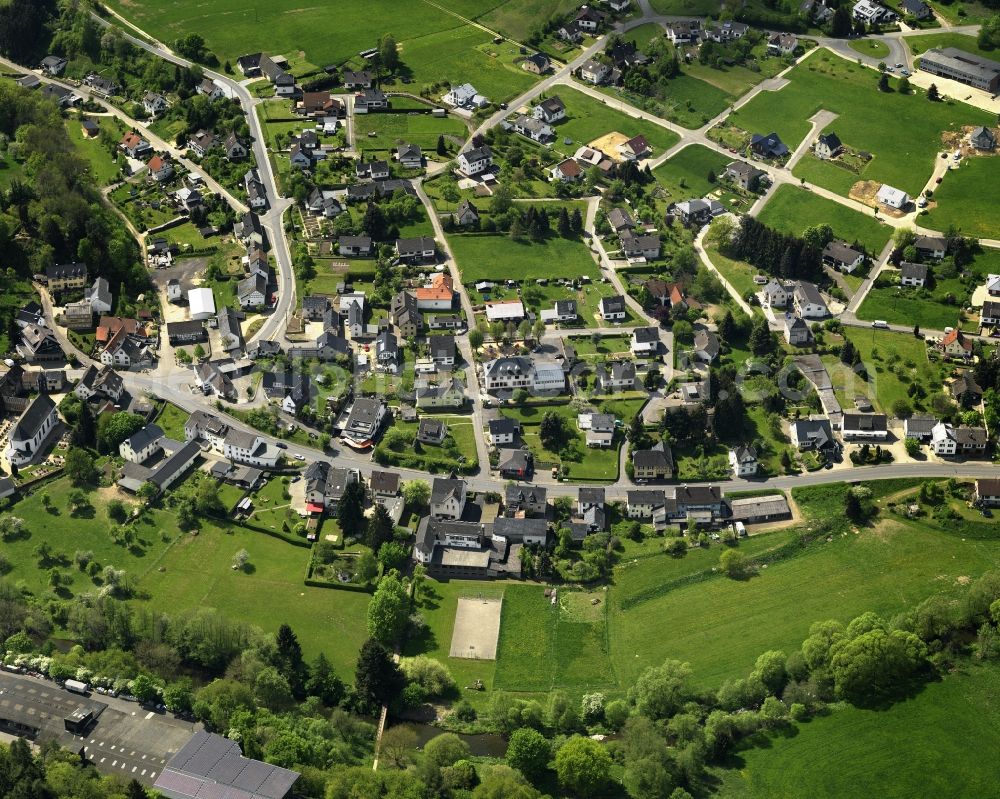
201,303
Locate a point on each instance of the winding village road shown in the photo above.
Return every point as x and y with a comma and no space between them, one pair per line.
173,382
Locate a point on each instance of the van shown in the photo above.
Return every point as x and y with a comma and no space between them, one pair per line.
880,323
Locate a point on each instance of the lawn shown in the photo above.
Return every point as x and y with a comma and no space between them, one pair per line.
903,132
437,603
172,420
607,345
932,728
967,198
484,257
544,645
893,355
921,44
515,18
884,570
588,119
394,129
738,273
685,175
642,34
456,453
904,306
690,101
870,47
792,210
103,166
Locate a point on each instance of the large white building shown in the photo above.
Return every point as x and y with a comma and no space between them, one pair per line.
250,448
512,373
31,429
201,303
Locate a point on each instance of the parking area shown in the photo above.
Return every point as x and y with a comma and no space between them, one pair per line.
124,738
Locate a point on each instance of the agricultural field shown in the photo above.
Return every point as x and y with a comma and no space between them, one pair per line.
792,210
588,119
883,569
685,175
966,198
931,727
903,132
479,257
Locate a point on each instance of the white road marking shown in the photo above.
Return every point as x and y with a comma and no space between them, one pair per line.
149,715
144,772
134,768
152,774
103,759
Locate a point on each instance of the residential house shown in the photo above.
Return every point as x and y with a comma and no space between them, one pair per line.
868,426
60,277
681,32
78,315
54,65
384,487
618,376
416,250
620,220
230,331
510,373
250,230
697,500
770,146
355,246
432,431
966,390
143,445
917,9
372,170
842,257
599,429
897,199
532,128
475,161
235,149
808,301
589,19
100,382
567,171
655,463
634,149
645,341
698,212
364,422
743,461
595,72
744,175
447,498
911,274
256,193
465,96
30,431
782,43
727,31
919,426
358,80
299,157
988,492
931,247
160,168
212,380
101,86
515,464
249,65
812,434
250,448
466,215
210,89
550,110
828,145
527,500
410,156
612,309
590,508
562,311
643,503
387,351
774,294
872,13
504,311
955,345
440,294
706,346
90,128
404,313
154,103
39,344
538,63
645,246
983,139
949,441
442,349
502,431
797,332
314,307
989,314
202,142
61,96
252,291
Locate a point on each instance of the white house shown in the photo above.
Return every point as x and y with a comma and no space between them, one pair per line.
201,303
595,72
743,461
896,199
775,295
808,301
502,431
142,445
871,426
475,161
250,448
465,96
612,309
911,274
447,498
645,341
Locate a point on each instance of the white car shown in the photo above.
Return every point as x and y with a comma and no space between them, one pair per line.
299,457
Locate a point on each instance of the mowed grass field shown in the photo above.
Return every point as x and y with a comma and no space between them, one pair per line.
921,44
485,257
394,129
720,626
934,728
685,175
903,132
968,198
792,210
544,645
588,119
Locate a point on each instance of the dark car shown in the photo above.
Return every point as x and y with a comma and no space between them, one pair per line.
281,445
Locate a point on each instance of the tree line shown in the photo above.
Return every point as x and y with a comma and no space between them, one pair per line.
774,252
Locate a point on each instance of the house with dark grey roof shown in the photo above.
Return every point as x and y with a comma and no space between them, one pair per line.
30,431
869,426
911,274
828,145
655,463
808,301
502,431
141,446
842,256
448,498
515,464
612,309
530,500
364,421
769,146
919,426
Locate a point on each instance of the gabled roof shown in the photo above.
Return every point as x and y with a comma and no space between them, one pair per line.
30,422
443,489
912,271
